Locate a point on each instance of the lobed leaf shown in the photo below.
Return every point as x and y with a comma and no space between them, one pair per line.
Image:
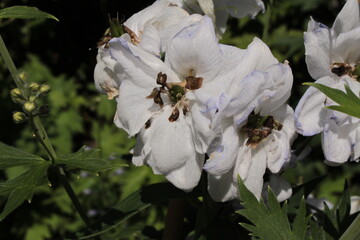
24,12
89,160
348,102
271,222
22,187
12,157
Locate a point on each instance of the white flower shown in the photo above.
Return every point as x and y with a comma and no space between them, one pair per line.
219,10
150,29
331,56
161,102
257,127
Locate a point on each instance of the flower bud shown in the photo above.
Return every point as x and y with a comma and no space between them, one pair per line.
19,117
23,76
15,93
44,89
34,86
29,106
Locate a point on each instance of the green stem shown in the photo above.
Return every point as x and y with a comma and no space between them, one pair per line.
41,134
11,66
353,231
267,16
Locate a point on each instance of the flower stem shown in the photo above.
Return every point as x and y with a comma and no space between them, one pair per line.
41,134
353,231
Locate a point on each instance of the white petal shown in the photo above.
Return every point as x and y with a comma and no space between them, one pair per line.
140,66
347,47
223,159
151,40
142,148
310,113
280,187
243,8
106,80
194,50
222,15
222,188
338,142
348,18
187,176
318,46
133,108
171,142
254,179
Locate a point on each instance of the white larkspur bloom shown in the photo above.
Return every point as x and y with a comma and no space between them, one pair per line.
151,29
219,10
331,57
257,128
161,102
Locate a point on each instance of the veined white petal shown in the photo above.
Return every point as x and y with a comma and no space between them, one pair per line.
151,40
195,51
133,108
348,18
187,176
310,113
318,47
222,188
171,142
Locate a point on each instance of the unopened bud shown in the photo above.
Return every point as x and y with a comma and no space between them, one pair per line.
16,93
32,98
44,89
34,86
19,117
23,76
29,106
116,28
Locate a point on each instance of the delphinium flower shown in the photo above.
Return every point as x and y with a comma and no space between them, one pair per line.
257,128
160,102
219,10
332,57
150,29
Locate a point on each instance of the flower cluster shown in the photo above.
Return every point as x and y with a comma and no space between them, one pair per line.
194,104
332,58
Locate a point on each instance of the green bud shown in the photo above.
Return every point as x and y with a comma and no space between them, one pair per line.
16,93
34,86
44,89
19,117
23,76
29,106
115,27
32,98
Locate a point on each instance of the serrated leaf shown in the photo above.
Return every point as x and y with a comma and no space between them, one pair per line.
24,12
89,160
22,187
299,225
348,102
12,157
271,222
133,204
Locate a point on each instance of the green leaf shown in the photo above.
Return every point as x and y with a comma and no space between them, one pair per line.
89,160
22,187
12,157
348,102
271,222
133,204
24,12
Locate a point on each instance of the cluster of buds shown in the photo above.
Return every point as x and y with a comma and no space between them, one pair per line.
27,99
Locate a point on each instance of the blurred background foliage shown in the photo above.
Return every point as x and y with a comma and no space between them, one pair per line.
63,55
